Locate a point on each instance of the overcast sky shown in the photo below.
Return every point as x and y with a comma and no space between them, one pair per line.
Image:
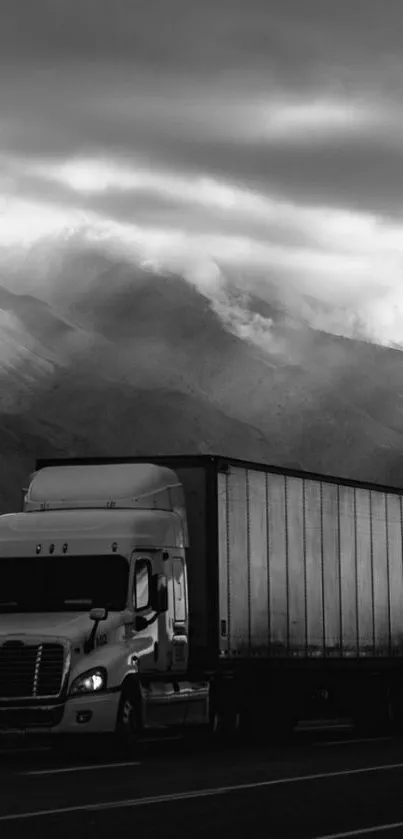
262,135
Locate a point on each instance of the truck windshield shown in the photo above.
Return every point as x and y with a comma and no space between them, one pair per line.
60,584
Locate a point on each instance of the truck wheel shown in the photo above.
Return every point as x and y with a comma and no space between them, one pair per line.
233,724
62,746
225,727
128,725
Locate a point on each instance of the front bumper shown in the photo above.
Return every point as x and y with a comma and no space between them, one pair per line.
86,714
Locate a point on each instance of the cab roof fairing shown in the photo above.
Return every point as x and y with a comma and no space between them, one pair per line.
99,528
119,486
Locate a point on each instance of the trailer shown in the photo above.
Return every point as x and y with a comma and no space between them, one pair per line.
199,590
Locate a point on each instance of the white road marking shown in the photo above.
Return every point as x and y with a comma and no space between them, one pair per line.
362,831
24,750
360,740
87,768
323,725
198,793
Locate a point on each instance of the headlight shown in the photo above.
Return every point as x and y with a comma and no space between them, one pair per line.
89,682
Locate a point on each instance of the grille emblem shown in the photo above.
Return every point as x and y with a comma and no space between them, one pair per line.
37,666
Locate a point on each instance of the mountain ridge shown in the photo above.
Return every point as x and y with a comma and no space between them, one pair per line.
136,361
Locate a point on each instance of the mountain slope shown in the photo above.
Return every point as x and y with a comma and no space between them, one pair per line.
129,361
81,417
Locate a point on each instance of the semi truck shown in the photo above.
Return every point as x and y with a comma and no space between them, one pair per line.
148,594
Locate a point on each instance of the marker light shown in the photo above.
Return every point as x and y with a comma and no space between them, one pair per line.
38,549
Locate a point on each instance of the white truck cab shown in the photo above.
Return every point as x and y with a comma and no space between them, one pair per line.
94,604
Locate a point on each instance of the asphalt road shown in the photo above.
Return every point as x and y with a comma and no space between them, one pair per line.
317,785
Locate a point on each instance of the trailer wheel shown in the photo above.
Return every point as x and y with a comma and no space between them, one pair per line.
128,725
395,706
62,746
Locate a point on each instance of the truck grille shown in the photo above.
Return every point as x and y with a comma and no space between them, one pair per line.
23,718
30,670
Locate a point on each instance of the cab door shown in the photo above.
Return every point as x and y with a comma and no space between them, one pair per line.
142,570
145,567
165,702
180,643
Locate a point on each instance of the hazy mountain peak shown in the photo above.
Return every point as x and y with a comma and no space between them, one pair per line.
115,357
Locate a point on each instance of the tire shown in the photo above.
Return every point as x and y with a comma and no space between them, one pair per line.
62,746
395,707
128,724
225,728
268,733
374,716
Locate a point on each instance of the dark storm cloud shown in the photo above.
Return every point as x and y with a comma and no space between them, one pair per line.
292,109
215,35
134,78
366,174
160,212
133,72
363,172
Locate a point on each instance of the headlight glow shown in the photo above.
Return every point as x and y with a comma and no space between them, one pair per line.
89,682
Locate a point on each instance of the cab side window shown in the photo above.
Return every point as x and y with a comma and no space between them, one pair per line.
141,584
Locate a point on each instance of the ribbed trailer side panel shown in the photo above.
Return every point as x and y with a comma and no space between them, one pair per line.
348,636
391,613
328,508
277,568
308,568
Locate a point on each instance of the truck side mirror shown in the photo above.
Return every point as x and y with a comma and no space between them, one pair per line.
140,623
159,593
98,614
